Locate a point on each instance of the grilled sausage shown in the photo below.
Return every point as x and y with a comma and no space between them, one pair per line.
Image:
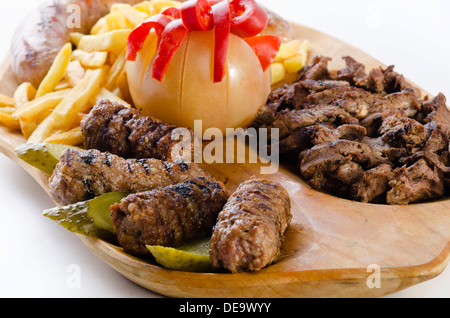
46,29
125,132
169,217
250,229
84,174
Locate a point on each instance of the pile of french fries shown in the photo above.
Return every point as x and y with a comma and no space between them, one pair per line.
89,68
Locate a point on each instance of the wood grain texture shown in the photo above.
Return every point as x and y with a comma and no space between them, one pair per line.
329,245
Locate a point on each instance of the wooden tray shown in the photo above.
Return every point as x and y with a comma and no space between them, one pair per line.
331,245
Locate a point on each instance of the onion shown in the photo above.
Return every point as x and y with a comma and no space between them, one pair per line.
188,92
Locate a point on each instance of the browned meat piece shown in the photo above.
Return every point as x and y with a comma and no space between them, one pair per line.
321,85
298,141
250,230
437,141
288,121
317,70
417,183
399,131
353,72
360,103
405,100
379,81
324,134
113,128
355,101
306,137
373,183
337,165
84,174
434,159
170,216
292,96
373,122
437,111
393,154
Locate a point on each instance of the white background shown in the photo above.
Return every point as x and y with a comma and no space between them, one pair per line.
37,256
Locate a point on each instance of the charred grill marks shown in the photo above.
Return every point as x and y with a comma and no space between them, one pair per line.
82,174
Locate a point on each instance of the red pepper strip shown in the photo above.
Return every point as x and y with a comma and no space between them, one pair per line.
196,15
266,48
172,12
139,34
171,39
222,19
248,18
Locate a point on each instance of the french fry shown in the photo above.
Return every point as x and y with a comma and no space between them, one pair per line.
6,101
32,113
9,121
23,94
43,130
56,72
33,109
7,110
131,15
159,5
98,27
105,94
114,41
62,85
27,128
72,137
78,100
144,7
116,21
75,37
90,59
115,71
74,73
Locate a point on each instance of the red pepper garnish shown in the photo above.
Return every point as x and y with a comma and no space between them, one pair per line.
171,39
196,15
244,18
222,20
266,48
139,35
248,18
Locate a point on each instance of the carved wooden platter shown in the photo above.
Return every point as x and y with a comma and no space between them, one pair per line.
334,247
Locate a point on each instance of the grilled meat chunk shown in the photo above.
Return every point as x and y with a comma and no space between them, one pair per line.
372,184
400,131
437,111
324,134
289,121
84,174
113,128
170,216
250,230
335,166
419,182
317,70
